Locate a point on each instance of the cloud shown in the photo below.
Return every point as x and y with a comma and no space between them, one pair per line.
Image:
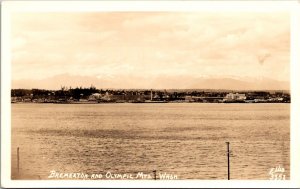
150,44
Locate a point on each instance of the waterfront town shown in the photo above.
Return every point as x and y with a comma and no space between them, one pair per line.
92,95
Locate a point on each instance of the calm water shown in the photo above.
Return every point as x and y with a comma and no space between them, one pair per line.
186,139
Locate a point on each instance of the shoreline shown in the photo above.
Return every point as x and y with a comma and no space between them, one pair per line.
150,102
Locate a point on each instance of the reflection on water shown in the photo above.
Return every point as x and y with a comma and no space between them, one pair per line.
183,139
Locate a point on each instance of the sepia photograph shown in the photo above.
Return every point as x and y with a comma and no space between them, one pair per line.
150,95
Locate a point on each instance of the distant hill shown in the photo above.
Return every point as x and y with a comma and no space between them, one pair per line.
254,84
161,82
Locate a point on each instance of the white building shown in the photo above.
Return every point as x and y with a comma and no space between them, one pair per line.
95,96
233,97
106,97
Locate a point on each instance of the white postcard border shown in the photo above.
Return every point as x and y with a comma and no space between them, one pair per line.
84,6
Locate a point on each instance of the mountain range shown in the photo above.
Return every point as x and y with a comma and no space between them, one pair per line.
159,82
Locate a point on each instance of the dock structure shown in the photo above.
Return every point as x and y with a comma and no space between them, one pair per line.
228,160
18,159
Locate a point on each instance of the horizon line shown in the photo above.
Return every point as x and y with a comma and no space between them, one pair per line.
154,89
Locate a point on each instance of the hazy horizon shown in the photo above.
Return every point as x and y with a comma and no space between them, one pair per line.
151,50
227,83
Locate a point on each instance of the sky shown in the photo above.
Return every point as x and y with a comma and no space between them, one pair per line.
134,49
